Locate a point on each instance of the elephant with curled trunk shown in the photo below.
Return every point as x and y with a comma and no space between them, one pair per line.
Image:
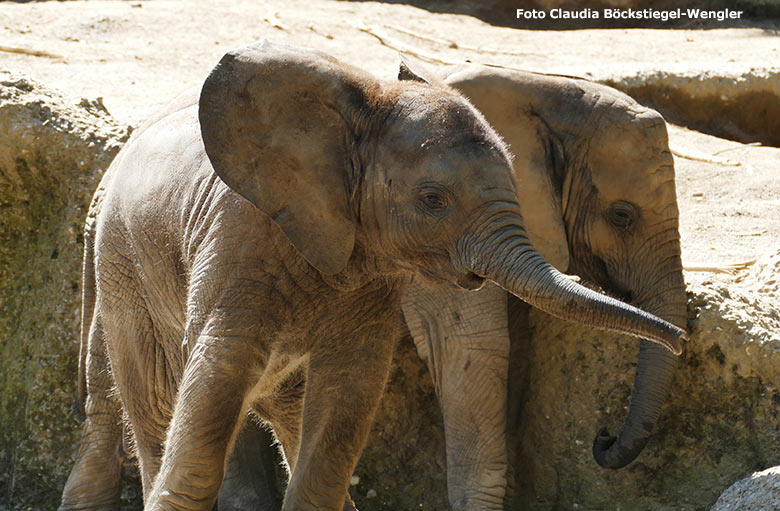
597,195
248,254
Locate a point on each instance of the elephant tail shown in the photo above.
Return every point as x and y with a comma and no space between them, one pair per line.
88,296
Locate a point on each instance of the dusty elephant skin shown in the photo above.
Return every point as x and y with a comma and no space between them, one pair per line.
237,246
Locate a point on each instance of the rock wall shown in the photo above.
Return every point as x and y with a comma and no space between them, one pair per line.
51,156
719,424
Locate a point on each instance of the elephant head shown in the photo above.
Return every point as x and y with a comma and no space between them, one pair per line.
596,183
409,169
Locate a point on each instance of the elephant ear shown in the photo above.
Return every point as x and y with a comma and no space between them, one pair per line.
279,125
538,163
504,99
411,71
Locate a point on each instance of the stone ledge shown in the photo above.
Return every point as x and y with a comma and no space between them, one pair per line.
52,153
741,104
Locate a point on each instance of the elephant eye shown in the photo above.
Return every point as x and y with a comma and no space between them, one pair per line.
433,200
622,215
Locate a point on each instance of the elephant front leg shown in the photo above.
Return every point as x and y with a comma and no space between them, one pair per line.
208,412
464,339
345,383
475,434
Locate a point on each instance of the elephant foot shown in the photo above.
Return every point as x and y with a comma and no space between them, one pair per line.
94,483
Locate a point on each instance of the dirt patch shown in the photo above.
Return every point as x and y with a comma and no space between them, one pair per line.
590,13
139,55
730,205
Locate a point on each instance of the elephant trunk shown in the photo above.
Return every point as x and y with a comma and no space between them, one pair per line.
498,249
655,370
654,375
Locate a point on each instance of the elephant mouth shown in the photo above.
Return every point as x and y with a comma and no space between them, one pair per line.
619,293
466,280
610,288
608,285
470,281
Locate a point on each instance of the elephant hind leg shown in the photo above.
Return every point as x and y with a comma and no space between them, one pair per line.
283,410
250,482
94,483
146,393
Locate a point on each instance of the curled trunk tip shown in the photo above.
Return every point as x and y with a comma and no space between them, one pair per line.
655,372
608,454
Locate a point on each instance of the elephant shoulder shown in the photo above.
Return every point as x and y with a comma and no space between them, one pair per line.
159,166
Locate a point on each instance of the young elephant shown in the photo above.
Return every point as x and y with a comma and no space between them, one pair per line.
597,195
596,189
254,246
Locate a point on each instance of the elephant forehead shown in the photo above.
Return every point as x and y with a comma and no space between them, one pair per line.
648,182
426,116
631,160
470,163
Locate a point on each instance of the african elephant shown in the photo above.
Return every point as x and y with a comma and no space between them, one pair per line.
596,183
250,250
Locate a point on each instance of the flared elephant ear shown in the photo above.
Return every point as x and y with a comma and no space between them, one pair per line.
538,154
278,125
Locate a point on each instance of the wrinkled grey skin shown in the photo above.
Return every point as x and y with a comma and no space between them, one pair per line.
297,188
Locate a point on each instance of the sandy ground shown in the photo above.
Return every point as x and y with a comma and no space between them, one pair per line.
137,55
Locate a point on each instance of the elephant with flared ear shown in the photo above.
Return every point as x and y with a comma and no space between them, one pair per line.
248,254
596,187
597,194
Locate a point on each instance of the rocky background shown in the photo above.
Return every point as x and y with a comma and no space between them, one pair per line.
52,155
720,424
